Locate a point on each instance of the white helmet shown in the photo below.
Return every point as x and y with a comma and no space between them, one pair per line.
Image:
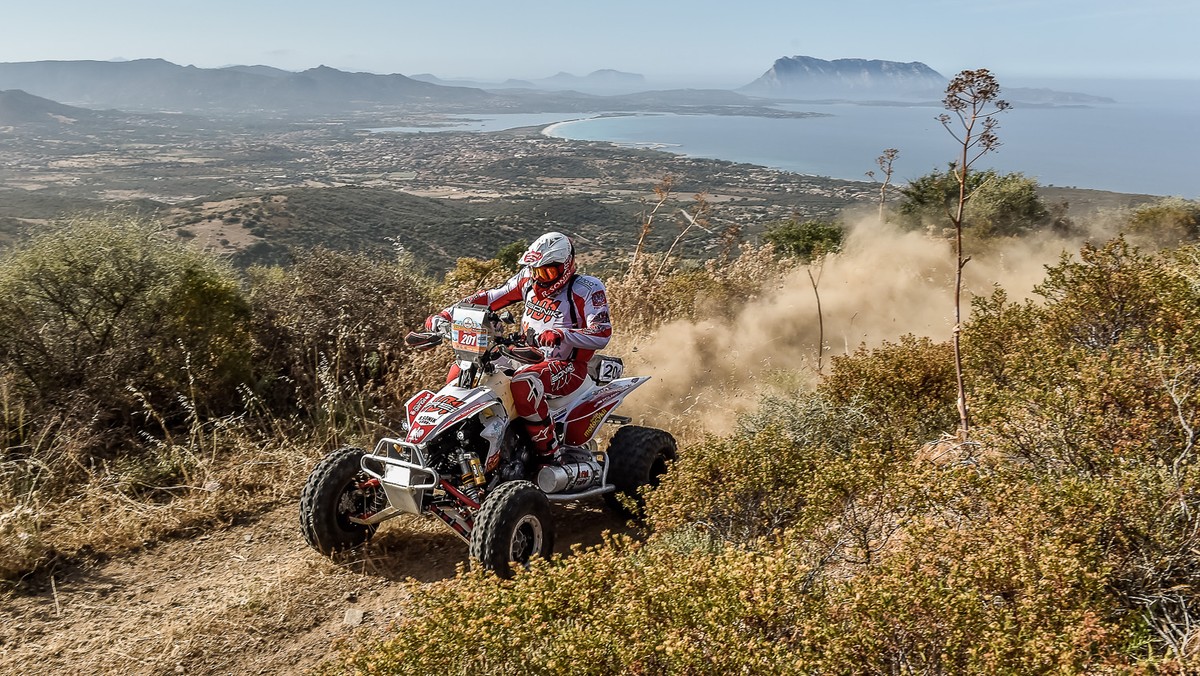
551,262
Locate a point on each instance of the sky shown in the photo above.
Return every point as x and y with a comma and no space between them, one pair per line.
671,42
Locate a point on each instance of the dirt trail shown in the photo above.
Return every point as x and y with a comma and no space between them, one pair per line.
248,599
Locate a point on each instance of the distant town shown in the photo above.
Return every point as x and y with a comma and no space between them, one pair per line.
183,166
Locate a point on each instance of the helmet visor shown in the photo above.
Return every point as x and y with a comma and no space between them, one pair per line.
547,274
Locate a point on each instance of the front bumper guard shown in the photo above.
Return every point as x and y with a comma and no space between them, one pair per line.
405,483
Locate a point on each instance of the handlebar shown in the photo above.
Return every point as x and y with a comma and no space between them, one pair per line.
516,346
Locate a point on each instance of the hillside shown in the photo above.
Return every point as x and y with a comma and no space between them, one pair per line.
150,531
193,314
21,108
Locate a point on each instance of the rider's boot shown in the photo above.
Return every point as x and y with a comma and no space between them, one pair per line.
546,448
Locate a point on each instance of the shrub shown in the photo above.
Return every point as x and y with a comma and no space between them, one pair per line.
998,204
806,240
1168,222
1097,388
1099,375
907,389
1000,573
103,316
1005,575
330,332
623,608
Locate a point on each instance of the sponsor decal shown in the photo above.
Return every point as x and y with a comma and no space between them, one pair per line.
543,310
418,402
602,318
469,323
443,404
415,434
594,422
560,372
598,331
531,257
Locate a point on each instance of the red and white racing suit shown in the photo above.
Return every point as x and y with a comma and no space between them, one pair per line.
579,310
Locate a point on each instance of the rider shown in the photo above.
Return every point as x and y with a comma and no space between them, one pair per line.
566,311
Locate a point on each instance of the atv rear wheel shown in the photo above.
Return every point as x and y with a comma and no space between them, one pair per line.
513,525
637,457
336,491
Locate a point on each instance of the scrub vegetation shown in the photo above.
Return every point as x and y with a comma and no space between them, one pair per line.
150,392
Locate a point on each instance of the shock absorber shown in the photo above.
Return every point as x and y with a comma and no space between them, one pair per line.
472,473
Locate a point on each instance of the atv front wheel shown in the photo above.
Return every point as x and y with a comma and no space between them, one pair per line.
513,525
337,491
637,457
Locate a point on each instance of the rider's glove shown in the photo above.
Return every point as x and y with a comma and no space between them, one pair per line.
550,338
436,323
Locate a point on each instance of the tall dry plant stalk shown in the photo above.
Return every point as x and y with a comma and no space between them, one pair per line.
697,218
973,97
819,263
662,193
885,165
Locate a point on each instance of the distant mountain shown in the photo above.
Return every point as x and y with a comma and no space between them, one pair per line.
156,85
261,70
19,108
1051,97
478,84
601,82
807,77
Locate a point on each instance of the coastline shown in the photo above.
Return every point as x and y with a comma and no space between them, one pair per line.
549,129
1048,144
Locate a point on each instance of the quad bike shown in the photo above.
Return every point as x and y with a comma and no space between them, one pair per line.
463,460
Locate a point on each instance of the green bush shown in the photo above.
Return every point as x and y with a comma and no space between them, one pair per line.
104,316
619,609
907,389
1167,222
806,240
330,333
1000,573
1003,575
997,204
1101,374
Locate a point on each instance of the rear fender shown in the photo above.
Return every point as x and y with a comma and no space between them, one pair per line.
582,421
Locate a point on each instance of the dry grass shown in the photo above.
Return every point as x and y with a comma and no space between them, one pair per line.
189,481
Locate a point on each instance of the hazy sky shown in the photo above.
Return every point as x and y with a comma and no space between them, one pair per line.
697,42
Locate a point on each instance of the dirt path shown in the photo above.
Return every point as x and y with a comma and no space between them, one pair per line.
249,599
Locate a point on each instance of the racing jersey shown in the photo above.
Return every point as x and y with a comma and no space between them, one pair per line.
579,309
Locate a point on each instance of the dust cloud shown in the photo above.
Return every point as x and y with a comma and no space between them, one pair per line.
883,284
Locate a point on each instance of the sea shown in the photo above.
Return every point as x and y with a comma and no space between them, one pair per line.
1146,142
